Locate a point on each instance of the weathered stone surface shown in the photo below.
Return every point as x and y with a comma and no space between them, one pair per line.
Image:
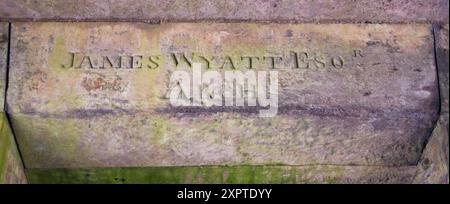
228,10
378,108
11,168
227,174
433,166
3,58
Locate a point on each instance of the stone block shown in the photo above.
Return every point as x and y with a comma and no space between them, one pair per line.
96,94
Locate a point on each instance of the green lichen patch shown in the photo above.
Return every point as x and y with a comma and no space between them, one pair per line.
11,169
201,174
5,143
245,174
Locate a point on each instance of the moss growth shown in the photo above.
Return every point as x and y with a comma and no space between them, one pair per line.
200,174
11,169
5,143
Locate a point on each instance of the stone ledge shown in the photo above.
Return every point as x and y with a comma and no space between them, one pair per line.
323,11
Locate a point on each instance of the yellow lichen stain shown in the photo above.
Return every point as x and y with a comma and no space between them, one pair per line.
148,82
65,78
160,127
59,56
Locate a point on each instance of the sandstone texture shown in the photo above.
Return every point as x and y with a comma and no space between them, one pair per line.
358,94
386,11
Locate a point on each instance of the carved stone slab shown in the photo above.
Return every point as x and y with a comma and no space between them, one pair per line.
96,94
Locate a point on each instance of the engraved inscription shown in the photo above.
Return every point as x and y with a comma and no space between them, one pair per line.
78,61
292,60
